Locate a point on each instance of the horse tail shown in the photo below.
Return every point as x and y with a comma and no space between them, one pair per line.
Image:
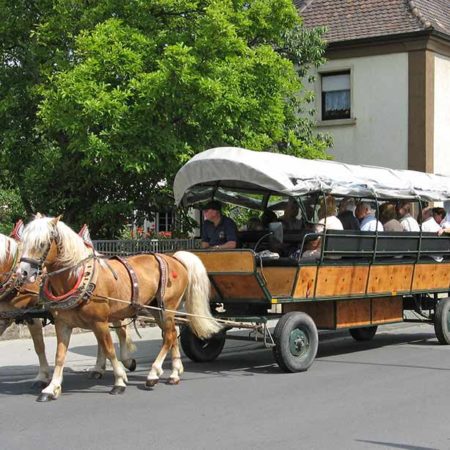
196,296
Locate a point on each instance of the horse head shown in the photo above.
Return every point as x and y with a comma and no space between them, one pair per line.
48,242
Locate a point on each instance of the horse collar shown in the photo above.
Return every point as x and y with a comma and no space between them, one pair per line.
80,293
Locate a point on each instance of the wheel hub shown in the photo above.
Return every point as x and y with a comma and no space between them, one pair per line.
298,342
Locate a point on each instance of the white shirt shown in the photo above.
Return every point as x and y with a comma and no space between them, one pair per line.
430,225
445,222
409,223
330,223
370,223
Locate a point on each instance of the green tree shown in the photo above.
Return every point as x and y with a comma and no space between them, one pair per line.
11,210
102,102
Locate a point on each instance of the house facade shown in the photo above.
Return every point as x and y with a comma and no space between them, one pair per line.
384,92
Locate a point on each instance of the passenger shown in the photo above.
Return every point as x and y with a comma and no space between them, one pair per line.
428,222
347,214
312,250
388,217
366,216
289,218
268,216
439,215
218,232
404,213
255,224
446,221
327,216
328,221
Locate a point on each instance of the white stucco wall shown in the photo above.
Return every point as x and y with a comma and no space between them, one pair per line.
379,133
442,115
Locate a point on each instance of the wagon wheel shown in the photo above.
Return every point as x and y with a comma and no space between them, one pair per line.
363,334
201,350
296,342
442,321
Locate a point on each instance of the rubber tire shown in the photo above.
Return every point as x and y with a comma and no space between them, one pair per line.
295,322
201,350
441,321
363,334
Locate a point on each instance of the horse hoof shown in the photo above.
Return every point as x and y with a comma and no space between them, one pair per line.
46,398
117,390
151,383
173,381
38,385
95,375
132,366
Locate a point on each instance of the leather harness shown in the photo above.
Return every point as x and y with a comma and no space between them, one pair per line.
160,293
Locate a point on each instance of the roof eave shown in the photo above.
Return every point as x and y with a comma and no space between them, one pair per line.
441,35
399,37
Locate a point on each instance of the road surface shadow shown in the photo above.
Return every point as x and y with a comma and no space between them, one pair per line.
239,358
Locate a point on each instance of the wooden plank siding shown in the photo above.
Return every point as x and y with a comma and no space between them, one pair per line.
384,280
336,314
236,272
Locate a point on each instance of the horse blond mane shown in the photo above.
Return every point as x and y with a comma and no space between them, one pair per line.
71,248
5,249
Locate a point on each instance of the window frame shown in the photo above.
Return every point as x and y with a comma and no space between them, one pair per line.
323,93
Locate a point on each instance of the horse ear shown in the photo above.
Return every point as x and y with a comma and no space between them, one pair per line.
17,232
38,215
84,234
55,220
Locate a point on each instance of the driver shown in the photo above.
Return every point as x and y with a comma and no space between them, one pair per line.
218,231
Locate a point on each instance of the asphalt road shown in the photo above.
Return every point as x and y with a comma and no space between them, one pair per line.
392,392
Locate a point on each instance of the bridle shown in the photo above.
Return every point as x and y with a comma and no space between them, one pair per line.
38,264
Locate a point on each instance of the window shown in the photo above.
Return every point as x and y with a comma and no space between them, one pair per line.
336,98
165,220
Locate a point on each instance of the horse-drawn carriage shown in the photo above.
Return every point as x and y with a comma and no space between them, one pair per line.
359,281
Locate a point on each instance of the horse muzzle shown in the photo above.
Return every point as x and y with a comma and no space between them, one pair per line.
28,270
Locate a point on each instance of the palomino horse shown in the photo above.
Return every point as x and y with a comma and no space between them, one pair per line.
15,299
89,293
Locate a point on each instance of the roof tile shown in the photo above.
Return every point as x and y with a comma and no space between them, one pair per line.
356,19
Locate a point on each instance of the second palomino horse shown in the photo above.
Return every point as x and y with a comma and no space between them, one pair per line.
85,292
13,298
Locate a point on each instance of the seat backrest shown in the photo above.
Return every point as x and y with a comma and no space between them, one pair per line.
248,239
388,244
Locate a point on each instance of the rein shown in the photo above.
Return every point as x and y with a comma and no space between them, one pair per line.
65,269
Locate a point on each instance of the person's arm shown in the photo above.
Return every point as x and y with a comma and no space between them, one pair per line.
227,245
204,236
230,235
443,231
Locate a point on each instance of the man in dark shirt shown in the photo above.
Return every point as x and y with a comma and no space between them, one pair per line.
346,214
218,231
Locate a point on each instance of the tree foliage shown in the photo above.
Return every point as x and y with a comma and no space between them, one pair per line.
102,102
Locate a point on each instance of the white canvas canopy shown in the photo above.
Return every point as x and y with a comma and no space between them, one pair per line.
237,168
